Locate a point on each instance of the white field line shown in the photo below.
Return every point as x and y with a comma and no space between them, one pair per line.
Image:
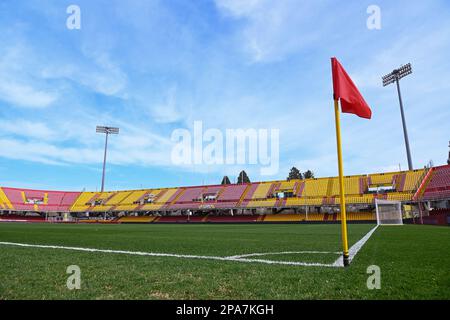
185,256
355,248
281,252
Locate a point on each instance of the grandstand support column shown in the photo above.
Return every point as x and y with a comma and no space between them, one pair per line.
341,186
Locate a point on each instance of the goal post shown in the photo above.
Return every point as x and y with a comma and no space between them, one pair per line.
388,212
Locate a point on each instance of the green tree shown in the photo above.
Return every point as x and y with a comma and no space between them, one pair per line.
226,180
243,177
294,174
308,174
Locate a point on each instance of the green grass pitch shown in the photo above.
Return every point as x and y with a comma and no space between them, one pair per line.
414,262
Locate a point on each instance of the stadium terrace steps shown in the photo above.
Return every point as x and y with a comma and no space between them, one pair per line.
190,194
400,182
330,187
301,188
232,195
117,198
413,179
248,194
362,185
315,187
438,186
36,200
80,204
5,203
380,179
262,190
170,196
423,185
273,189
288,186
232,192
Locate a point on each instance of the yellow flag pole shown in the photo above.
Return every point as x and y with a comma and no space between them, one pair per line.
341,185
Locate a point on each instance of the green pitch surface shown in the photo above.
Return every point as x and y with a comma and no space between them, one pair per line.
414,262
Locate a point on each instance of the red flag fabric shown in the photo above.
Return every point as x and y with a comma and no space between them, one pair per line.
344,89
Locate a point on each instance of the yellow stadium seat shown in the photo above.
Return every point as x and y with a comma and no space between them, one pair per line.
262,190
4,201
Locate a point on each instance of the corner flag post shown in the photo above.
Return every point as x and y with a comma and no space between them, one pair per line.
351,101
341,185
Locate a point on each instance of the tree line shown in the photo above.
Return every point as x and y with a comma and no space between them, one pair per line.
294,173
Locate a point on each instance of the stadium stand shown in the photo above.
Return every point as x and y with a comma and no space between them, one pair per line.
155,199
117,198
168,196
231,195
264,195
316,188
4,201
37,200
380,179
82,204
131,201
405,186
413,178
438,185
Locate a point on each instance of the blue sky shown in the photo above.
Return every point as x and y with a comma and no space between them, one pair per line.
151,67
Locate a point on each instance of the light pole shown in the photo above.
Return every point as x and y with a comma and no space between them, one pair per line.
448,160
107,131
392,77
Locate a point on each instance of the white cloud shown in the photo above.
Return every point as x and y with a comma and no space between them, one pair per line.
25,95
239,8
52,153
26,128
96,72
17,86
275,29
167,112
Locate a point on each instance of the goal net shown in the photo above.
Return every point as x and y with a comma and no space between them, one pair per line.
388,212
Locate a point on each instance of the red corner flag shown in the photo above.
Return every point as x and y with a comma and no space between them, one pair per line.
344,89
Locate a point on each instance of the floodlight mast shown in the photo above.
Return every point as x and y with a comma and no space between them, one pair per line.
107,131
448,160
392,77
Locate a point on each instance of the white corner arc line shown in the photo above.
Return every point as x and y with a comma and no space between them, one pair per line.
355,248
173,255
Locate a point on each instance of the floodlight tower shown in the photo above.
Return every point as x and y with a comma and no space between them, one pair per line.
107,131
448,160
392,77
